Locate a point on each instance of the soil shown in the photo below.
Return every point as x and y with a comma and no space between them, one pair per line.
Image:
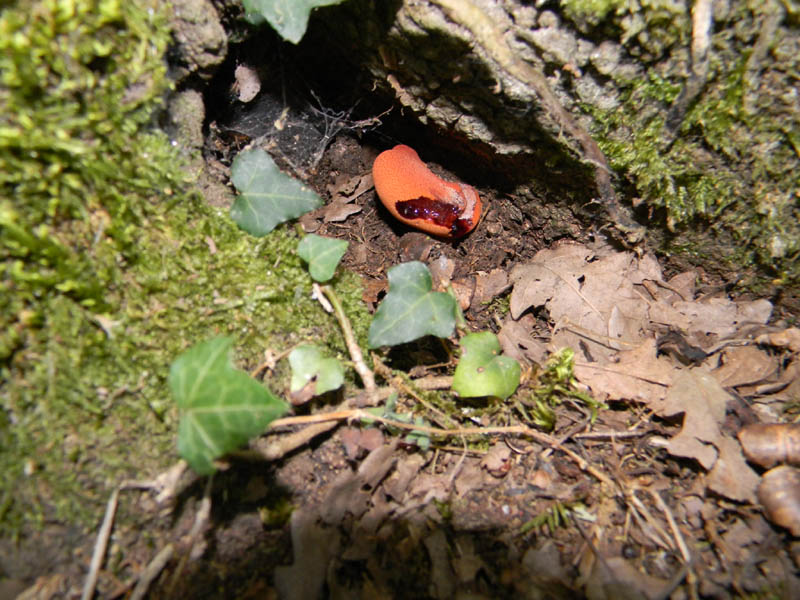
351,515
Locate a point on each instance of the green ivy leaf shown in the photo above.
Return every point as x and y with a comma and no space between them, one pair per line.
411,310
322,255
482,371
221,407
288,17
308,364
267,197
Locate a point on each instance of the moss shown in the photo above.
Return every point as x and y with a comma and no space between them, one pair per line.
731,171
648,28
110,265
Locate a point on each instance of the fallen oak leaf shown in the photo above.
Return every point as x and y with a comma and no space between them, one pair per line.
702,400
731,476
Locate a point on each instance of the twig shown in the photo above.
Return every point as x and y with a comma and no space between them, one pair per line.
152,571
275,449
100,546
644,513
200,520
609,435
676,532
367,378
538,436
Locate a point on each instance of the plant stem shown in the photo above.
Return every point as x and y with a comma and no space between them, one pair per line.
353,348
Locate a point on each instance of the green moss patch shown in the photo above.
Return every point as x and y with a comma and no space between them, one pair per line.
110,268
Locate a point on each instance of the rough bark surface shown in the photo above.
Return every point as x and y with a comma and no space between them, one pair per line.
685,116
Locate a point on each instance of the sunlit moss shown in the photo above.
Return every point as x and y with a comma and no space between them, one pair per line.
111,266
731,171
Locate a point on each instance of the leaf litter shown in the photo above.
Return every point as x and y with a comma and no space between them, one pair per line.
687,368
674,499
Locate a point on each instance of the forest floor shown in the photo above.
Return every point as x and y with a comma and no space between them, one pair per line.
636,486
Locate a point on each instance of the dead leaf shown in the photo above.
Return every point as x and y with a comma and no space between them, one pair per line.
443,581
416,246
355,440
551,269
345,186
788,338
638,374
517,340
313,546
246,83
350,492
463,289
442,270
489,286
720,316
741,365
731,476
339,210
702,400
617,579
466,563
737,538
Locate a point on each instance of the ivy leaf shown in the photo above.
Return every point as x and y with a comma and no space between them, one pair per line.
309,364
221,407
267,197
288,17
322,255
411,310
482,371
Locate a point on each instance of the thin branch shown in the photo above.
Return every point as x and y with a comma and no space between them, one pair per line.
100,546
367,378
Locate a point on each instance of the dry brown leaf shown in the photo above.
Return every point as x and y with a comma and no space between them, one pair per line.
490,285
742,365
731,476
788,338
443,580
518,342
464,290
537,282
350,492
596,304
355,440
736,540
246,83
467,563
345,186
313,547
720,316
339,210
397,483
702,400
614,578
638,374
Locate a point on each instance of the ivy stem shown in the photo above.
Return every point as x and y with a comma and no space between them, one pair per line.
353,348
